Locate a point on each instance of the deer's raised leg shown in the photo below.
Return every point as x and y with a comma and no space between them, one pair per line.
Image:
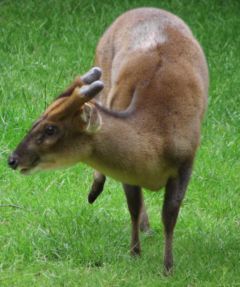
97,186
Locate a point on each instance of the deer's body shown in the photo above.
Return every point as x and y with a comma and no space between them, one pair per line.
150,54
145,129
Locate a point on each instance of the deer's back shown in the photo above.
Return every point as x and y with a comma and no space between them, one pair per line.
152,54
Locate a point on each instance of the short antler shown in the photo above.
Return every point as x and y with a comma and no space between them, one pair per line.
88,92
91,76
79,97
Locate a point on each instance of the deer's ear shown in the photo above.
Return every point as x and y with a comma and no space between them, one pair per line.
91,118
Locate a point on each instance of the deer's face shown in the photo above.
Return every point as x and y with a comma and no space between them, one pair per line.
62,135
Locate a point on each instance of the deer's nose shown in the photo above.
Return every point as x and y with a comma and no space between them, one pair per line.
13,161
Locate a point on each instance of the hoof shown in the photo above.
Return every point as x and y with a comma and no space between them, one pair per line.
135,251
91,197
168,268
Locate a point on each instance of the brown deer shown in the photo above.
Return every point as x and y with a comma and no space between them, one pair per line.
144,128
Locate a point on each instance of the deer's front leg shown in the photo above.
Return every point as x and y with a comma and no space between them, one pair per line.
134,201
174,194
97,186
144,221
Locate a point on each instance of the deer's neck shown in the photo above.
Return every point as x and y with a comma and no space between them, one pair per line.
114,143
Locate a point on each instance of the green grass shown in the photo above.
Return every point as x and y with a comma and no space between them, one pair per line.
56,238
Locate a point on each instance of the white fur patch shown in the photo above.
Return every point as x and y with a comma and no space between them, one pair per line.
147,34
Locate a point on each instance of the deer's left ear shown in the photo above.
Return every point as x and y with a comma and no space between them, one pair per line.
91,118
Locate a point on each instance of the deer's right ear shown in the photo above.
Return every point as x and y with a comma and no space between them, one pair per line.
91,118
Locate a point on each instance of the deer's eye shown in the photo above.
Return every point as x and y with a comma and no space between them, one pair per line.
50,130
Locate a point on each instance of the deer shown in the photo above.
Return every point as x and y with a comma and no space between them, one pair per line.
135,117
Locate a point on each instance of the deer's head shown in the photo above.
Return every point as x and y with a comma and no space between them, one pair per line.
60,137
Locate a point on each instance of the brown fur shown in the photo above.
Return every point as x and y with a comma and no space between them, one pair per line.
145,129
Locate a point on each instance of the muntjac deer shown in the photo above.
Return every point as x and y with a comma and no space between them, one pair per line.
143,129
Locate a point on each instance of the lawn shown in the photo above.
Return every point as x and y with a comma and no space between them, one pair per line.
53,237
